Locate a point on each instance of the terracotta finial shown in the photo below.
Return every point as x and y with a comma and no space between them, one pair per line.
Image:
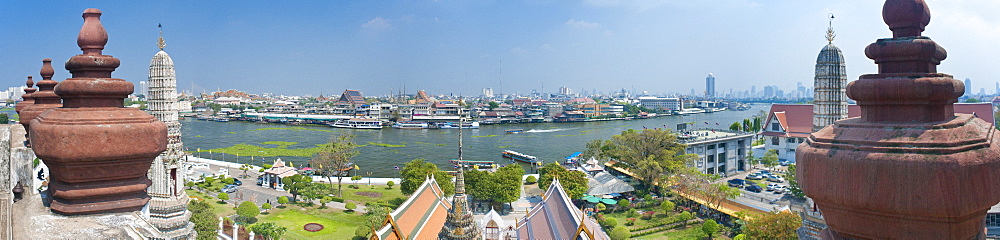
47,70
906,18
29,83
26,99
92,36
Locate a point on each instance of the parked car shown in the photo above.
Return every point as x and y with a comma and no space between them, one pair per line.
737,182
781,189
764,172
773,178
229,188
754,176
237,182
771,186
754,188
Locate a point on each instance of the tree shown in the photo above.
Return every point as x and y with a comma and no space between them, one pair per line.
334,158
390,184
206,223
266,206
350,206
710,227
355,179
189,184
530,179
574,182
747,125
610,222
294,184
685,217
283,200
4,118
502,186
415,172
268,230
624,204
247,210
972,100
736,126
770,158
620,233
778,225
324,200
649,170
756,126
793,182
632,147
494,105
715,194
228,181
601,207
667,206
375,216
223,197
245,168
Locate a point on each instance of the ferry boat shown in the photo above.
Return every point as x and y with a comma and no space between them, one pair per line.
688,111
520,157
358,124
410,125
465,125
474,164
514,131
221,119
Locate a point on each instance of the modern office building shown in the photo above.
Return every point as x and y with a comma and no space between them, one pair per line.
719,151
710,86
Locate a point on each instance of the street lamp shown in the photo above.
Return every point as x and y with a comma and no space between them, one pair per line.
369,178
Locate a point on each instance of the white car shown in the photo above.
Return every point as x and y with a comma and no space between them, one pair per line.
774,178
771,187
780,189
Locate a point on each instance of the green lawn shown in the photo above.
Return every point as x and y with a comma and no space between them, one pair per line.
221,210
366,193
657,220
337,224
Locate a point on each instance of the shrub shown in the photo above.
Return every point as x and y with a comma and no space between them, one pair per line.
632,214
710,228
223,196
620,233
350,206
228,181
267,166
247,210
667,206
390,184
610,222
282,200
531,179
362,231
629,221
266,206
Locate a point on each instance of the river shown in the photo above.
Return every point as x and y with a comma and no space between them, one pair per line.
390,147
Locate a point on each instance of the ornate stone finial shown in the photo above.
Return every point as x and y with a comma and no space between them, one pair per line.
45,98
98,152
159,42
830,34
26,99
906,18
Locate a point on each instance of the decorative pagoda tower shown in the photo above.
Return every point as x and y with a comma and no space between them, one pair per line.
98,152
44,99
167,209
909,167
829,88
460,225
27,100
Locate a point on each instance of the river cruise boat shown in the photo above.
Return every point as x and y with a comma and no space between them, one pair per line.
520,157
514,131
410,125
465,125
358,124
221,119
474,164
689,111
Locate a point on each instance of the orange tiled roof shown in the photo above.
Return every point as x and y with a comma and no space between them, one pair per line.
421,217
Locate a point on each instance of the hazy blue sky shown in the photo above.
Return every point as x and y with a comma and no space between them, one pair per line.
305,47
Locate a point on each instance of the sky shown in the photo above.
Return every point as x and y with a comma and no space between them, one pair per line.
461,47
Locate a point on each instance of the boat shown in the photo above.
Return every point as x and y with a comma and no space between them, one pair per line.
410,125
474,164
514,130
358,123
465,125
520,157
221,119
573,158
687,111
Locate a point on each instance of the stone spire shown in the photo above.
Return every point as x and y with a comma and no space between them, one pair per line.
908,165
460,223
45,98
168,201
98,151
27,100
829,86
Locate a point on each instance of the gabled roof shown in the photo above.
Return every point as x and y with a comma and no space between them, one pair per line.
797,119
351,97
281,170
422,97
421,217
557,218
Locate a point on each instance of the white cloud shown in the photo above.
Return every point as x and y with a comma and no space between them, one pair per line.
518,51
582,24
377,24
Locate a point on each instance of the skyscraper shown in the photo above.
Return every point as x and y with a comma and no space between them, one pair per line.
829,88
167,209
710,86
968,87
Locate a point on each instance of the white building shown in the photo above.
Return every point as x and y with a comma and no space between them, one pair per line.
658,103
719,151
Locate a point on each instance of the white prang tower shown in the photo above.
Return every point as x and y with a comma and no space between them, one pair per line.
167,209
830,86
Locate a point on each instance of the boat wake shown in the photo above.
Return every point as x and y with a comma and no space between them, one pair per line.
545,130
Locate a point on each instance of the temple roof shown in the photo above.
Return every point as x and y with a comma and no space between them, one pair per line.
557,218
421,217
797,119
830,54
353,97
281,170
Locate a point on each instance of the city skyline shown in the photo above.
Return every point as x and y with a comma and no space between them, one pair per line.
463,47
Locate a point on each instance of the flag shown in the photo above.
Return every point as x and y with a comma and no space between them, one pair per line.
395,167
706,122
716,124
290,164
199,149
643,127
320,166
356,167
456,166
159,25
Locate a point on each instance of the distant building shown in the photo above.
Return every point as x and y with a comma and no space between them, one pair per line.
719,151
488,92
968,87
710,86
351,97
658,103
830,86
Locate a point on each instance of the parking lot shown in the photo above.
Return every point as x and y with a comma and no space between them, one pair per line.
764,200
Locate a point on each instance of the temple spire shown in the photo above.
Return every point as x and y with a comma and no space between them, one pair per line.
460,223
830,34
159,41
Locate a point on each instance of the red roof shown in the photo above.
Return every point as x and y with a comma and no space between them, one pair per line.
797,119
421,217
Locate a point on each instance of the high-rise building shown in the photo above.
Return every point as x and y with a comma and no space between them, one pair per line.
829,88
167,208
488,92
968,87
710,86
143,88
565,90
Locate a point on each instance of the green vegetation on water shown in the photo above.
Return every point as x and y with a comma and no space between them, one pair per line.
243,149
197,136
386,144
491,135
297,129
281,144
